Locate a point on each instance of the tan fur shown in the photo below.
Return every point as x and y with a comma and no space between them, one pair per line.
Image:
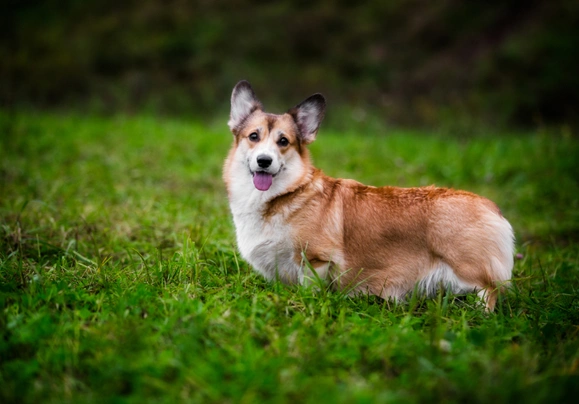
380,240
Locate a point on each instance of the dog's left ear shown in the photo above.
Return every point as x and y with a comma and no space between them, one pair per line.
243,103
308,115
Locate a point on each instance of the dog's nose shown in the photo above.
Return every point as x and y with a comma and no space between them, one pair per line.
264,161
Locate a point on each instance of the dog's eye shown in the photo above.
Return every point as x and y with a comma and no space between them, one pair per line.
254,137
283,142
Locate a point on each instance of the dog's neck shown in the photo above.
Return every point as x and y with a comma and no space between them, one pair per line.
299,186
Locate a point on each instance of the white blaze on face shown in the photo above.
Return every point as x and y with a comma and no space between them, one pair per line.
284,171
263,173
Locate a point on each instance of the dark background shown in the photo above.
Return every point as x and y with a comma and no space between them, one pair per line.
507,62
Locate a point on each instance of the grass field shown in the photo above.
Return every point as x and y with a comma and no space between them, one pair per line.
120,281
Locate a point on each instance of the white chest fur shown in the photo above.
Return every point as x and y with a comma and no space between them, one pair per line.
265,244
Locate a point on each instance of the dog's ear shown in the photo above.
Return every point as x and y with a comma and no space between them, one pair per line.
308,115
243,103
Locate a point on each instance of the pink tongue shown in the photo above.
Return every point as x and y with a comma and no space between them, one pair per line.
262,181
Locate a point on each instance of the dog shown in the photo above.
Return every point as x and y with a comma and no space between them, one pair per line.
293,223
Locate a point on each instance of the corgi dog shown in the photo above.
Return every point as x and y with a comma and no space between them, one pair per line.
291,219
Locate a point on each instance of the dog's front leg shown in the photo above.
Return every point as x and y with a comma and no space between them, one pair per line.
314,272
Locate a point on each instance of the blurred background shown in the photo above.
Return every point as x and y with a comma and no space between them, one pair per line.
450,62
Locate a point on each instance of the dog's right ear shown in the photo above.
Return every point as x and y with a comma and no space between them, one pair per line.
243,103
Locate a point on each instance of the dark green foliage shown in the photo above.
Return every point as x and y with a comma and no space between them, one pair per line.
453,62
119,279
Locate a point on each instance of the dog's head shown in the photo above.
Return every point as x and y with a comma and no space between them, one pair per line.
273,146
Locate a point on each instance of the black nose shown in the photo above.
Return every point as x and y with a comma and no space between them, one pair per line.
264,161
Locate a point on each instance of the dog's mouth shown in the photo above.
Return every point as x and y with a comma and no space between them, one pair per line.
262,180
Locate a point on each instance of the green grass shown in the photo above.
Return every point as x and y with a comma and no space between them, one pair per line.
120,281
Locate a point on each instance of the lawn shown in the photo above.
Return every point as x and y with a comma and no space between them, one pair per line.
120,280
